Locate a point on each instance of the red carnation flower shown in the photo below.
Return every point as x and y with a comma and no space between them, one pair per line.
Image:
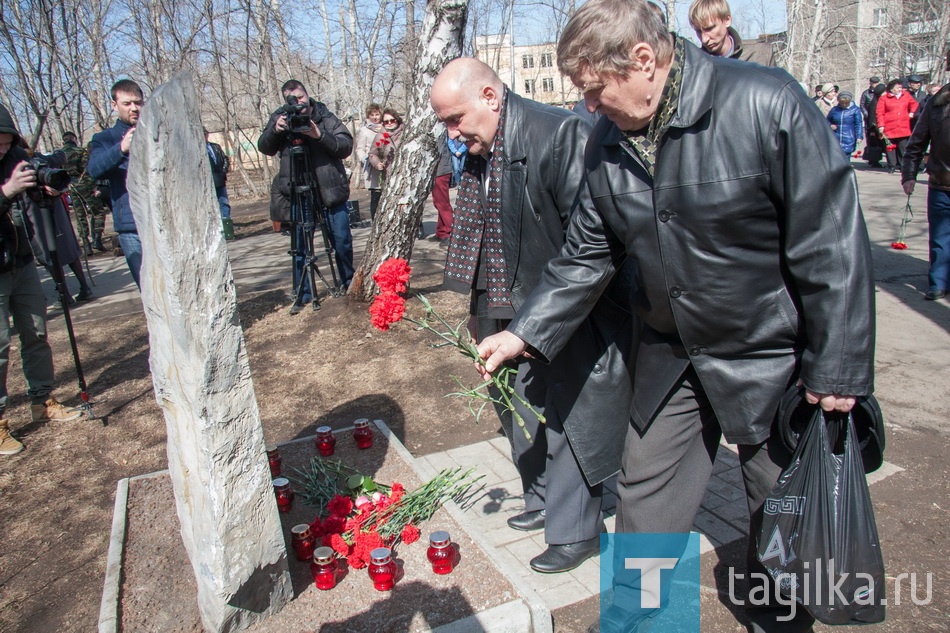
378,144
317,527
398,490
368,541
355,561
898,245
339,545
388,308
340,506
385,135
334,524
393,275
410,534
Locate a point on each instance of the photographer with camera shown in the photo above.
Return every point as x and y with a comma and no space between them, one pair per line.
323,141
21,295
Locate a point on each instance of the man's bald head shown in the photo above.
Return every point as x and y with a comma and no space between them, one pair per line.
466,75
467,96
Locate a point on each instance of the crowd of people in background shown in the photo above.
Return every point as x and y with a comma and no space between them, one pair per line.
879,125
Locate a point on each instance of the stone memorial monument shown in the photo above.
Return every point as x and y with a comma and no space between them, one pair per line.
199,365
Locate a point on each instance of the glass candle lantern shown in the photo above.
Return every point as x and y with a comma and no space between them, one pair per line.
285,496
362,433
323,568
274,460
382,568
303,541
441,552
325,441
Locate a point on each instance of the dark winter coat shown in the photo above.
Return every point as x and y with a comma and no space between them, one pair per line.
541,184
108,162
326,154
933,128
754,260
15,228
220,165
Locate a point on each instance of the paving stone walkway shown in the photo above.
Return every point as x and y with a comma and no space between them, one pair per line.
723,517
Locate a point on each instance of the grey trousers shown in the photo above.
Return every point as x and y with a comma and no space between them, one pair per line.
22,298
550,475
551,478
666,469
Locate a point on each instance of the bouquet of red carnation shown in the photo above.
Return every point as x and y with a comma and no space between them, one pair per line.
389,307
354,527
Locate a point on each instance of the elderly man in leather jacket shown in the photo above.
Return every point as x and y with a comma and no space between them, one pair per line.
327,142
754,264
521,182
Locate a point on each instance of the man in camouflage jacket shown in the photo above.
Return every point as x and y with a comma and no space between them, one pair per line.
85,196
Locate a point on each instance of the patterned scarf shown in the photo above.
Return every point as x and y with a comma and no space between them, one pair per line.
647,141
476,225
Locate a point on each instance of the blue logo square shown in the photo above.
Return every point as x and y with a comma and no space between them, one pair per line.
649,582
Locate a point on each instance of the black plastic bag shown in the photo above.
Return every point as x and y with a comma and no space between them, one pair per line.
819,541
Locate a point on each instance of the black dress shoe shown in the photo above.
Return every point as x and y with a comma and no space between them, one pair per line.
933,295
527,521
558,558
617,620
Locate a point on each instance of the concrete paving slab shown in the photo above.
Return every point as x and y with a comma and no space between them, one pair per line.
722,519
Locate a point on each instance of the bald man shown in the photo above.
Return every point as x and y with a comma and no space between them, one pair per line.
520,185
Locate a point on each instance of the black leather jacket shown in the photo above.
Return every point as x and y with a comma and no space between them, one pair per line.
754,260
933,128
542,183
326,154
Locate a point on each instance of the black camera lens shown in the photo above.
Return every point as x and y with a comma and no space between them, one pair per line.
57,179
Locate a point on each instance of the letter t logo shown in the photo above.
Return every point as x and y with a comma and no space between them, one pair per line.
650,569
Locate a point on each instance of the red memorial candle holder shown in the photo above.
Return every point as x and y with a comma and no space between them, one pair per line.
324,569
325,441
382,569
441,552
303,541
274,460
285,496
363,434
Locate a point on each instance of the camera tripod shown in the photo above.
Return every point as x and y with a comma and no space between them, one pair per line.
45,205
304,212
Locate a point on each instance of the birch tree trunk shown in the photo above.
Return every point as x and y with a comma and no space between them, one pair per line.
408,185
811,47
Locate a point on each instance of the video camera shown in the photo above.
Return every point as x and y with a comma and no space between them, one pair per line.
298,122
49,172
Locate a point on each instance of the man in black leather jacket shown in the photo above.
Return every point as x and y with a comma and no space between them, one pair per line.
933,129
328,142
521,182
727,186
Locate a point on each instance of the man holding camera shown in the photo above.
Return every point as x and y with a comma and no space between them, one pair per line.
109,160
21,295
326,142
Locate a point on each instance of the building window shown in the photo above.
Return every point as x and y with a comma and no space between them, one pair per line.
527,61
547,60
547,84
529,86
879,56
880,18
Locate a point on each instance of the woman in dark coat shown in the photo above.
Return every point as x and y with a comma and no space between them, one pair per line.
874,151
